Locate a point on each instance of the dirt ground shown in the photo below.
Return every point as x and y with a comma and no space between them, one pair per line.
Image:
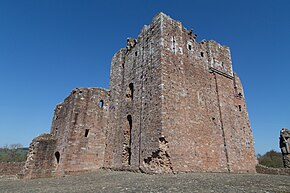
113,181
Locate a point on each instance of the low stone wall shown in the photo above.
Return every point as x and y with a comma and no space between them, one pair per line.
276,171
11,168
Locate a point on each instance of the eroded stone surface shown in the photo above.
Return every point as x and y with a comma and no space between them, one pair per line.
10,168
174,105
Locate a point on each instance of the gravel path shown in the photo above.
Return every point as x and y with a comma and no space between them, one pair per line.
112,181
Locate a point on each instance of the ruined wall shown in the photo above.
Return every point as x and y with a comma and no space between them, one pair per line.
40,161
205,117
135,100
274,171
11,168
201,103
187,106
174,105
79,126
77,139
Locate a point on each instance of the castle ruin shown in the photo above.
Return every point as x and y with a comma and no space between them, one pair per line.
174,105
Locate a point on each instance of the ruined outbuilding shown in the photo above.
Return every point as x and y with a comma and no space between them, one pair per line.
174,105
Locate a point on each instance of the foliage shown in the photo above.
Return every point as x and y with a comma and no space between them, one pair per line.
13,153
271,159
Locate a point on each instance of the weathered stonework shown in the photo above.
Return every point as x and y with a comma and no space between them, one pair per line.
174,105
40,159
10,168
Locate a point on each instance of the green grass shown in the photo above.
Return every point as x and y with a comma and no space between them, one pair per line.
10,155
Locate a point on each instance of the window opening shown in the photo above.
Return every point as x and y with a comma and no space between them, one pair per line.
131,87
126,155
129,118
57,156
87,132
101,104
174,45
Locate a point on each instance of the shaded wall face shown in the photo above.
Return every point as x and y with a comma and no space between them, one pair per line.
79,126
201,119
40,161
135,92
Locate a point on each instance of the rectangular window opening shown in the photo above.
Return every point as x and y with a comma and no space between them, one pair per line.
87,132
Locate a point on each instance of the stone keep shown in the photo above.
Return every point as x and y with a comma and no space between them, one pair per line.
174,105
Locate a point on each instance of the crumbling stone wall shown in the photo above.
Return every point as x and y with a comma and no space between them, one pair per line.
76,142
274,171
79,126
188,109
11,168
174,105
40,161
136,94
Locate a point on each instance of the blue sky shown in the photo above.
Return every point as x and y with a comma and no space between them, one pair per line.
49,47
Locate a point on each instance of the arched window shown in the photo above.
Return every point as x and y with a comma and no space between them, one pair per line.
57,156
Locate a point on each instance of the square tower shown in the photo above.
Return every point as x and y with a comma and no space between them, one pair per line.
176,105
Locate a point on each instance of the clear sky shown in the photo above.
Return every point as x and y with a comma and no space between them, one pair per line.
49,47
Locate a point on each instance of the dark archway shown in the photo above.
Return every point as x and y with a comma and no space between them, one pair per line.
127,130
129,118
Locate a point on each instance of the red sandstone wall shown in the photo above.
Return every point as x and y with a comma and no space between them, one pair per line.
175,105
201,119
77,140
139,65
190,107
11,168
40,161
80,128
185,108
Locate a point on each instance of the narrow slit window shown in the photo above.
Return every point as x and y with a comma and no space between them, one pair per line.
101,103
87,132
131,87
129,118
174,45
240,108
57,157
201,54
